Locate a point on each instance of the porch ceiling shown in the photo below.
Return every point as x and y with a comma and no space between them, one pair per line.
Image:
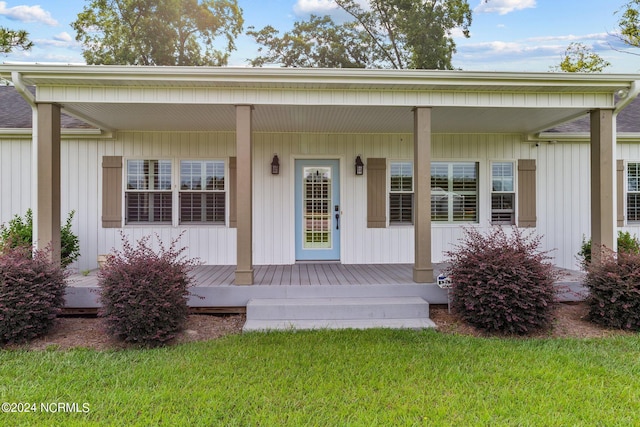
319,118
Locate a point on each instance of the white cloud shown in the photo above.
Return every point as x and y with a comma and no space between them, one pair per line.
319,7
63,37
570,38
324,7
25,13
504,6
62,40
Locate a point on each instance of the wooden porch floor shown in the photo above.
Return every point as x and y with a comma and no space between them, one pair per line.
304,274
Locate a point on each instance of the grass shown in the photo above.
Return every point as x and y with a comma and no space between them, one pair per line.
375,377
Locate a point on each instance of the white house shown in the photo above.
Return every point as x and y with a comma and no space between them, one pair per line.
263,166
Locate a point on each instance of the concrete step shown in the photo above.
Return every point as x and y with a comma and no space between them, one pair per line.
337,313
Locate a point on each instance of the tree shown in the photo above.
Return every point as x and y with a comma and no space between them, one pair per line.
385,34
14,39
629,23
578,58
318,42
158,32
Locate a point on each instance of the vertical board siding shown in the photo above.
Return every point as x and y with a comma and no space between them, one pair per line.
210,244
15,178
562,199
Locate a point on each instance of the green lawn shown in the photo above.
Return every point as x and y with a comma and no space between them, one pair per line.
376,377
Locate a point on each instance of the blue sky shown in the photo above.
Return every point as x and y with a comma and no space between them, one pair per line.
506,35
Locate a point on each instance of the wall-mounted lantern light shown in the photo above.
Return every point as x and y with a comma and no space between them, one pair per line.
275,165
359,166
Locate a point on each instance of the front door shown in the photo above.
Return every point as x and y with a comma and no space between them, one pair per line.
317,199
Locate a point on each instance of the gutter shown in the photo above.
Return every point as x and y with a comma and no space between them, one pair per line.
21,87
629,96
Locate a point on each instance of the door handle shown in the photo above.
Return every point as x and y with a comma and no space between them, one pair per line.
337,221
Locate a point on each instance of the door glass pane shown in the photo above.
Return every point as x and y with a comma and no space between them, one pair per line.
316,208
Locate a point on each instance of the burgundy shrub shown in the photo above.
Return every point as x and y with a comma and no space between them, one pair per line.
144,293
32,293
502,282
614,290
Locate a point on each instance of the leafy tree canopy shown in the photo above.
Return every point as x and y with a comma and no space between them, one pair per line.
318,42
14,39
579,58
158,32
629,23
383,34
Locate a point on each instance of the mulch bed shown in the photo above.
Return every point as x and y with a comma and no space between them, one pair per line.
88,332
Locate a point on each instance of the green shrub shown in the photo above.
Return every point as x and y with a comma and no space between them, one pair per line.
144,293
19,232
626,243
614,290
502,282
31,293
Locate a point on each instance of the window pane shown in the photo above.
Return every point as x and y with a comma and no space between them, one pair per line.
502,210
214,179
148,207
161,207
198,207
633,177
464,208
163,168
137,175
137,207
401,176
502,176
633,207
439,206
190,175
465,177
439,176
401,208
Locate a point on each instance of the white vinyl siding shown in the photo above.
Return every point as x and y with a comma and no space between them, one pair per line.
503,193
562,197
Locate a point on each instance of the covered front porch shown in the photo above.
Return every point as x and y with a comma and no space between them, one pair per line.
244,118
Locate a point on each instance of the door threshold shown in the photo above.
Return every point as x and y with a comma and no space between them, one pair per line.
332,261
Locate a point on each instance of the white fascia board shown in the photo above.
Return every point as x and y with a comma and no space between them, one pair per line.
305,77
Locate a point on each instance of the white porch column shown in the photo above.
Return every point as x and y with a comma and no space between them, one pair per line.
244,194
603,182
423,268
47,151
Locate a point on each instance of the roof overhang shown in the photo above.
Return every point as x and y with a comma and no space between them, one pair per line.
318,100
